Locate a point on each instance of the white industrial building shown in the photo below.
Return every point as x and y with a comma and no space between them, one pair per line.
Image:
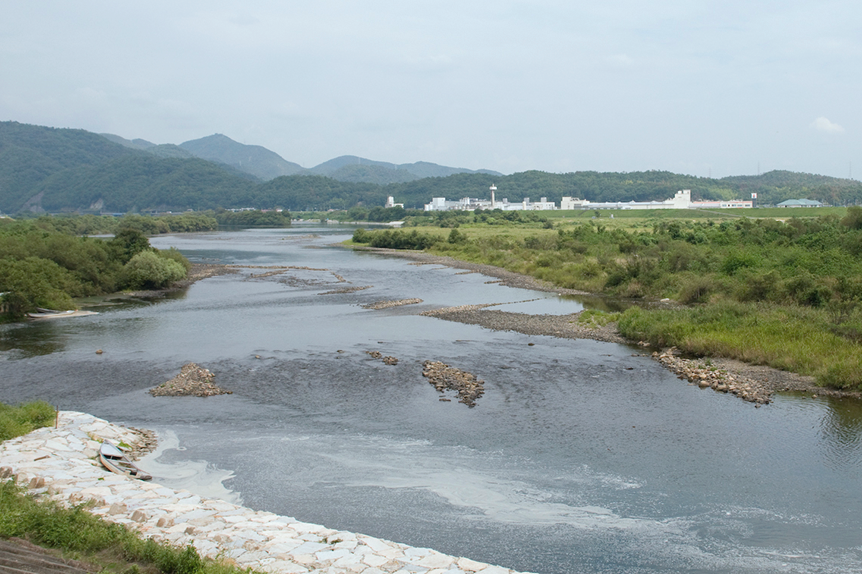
680,200
390,202
472,204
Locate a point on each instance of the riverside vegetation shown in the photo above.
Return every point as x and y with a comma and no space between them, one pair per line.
78,534
48,261
787,294
46,265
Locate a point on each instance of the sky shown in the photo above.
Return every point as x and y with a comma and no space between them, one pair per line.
705,88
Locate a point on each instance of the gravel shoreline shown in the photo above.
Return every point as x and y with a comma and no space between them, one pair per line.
761,381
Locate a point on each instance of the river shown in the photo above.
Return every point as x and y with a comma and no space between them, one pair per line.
581,456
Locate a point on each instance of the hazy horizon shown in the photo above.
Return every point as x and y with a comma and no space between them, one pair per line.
715,90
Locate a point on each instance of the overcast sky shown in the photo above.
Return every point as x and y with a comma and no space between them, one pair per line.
704,88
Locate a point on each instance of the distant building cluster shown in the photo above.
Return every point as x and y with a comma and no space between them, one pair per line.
681,200
472,204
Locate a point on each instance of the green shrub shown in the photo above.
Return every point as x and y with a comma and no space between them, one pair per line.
456,236
147,270
736,261
697,290
174,254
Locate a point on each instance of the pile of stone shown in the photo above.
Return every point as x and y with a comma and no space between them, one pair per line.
146,443
386,360
193,381
387,304
444,377
705,376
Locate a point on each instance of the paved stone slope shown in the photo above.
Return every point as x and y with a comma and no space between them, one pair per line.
62,463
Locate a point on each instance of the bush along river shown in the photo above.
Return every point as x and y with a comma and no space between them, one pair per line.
576,455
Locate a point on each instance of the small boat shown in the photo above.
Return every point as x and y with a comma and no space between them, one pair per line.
49,314
116,461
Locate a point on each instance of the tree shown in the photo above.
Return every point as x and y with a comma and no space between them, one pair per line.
129,242
32,283
147,270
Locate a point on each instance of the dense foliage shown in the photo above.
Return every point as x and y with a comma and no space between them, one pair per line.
395,239
252,218
42,264
107,224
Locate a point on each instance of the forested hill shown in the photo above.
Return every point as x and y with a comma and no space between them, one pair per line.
74,170
30,154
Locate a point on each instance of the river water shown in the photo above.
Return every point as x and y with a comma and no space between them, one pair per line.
581,456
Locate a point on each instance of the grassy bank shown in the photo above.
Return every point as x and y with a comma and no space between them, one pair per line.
784,293
79,534
796,339
19,420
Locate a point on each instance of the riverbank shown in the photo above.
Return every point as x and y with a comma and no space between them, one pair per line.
757,382
197,272
61,463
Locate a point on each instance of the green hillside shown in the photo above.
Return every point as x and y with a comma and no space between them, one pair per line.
253,159
372,174
143,182
30,154
360,169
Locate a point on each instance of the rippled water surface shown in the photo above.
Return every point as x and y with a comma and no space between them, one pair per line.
580,457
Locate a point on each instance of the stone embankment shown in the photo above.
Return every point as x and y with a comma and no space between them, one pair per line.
706,376
61,463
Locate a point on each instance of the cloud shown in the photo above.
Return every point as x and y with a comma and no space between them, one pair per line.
822,124
621,60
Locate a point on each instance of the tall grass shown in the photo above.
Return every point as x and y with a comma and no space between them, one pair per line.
17,421
790,338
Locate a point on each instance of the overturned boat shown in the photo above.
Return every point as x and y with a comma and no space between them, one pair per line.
116,461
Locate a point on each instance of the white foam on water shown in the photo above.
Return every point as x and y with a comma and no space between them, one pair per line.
197,476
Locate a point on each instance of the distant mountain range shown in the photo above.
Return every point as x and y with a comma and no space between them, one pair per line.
266,165
66,170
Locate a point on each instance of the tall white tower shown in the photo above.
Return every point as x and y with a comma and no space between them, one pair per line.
493,189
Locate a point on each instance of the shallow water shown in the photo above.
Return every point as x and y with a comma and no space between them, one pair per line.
581,456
